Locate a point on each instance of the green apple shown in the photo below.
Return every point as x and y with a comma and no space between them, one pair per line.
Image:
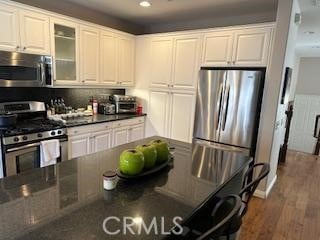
131,162
162,148
150,155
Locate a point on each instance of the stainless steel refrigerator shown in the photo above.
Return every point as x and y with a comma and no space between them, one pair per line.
228,108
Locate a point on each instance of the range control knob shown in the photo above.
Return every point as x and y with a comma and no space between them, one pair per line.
53,133
40,135
16,139
24,138
59,132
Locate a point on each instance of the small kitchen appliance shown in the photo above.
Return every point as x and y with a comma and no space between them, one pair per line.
124,103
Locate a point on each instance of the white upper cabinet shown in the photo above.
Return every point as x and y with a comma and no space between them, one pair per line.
89,54
24,31
126,51
161,61
9,30
65,51
186,61
251,47
242,47
108,58
217,49
34,32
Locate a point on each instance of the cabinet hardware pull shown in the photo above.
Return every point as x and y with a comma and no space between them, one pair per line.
24,48
17,47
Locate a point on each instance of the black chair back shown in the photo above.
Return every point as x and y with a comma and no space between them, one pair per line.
249,187
222,214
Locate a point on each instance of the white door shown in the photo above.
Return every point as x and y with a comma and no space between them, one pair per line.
89,55
136,132
9,30
34,32
120,136
182,116
251,47
217,49
108,58
158,112
186,61
126,66
161,62
102,141
79,146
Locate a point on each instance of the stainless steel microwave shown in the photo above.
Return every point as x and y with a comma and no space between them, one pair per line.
25,70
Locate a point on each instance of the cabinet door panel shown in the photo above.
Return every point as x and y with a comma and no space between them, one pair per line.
161,61
252,47
108,56
159,113
34,32
136,132
126,61
186,62
182,116
120,136
217,48
9,30
102,141
65,50
79,146
89,53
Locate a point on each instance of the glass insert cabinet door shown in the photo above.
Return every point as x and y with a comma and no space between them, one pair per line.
65,52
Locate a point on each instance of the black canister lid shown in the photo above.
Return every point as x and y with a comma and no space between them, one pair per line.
110,174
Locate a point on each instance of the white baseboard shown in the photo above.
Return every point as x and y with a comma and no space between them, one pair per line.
264,194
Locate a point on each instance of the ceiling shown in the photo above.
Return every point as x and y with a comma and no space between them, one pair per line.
164,11
308,45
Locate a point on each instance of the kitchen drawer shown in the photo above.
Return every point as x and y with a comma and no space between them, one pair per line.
128,122
89,128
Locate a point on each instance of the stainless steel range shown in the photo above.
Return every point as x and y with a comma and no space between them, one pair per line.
20,143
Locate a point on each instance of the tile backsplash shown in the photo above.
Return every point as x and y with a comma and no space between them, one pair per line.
75,97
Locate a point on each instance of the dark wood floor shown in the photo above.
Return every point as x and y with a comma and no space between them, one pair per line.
292,211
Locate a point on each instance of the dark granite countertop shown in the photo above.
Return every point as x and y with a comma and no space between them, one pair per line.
100,118
67,201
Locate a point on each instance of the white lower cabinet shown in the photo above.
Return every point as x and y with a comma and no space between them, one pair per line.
79,146
94,138
120,136
102,141
172,114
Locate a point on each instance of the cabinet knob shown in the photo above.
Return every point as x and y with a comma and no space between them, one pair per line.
234,62
17,47
24,48
83,81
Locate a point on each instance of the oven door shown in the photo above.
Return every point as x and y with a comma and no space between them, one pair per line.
24,158
24,70
126,107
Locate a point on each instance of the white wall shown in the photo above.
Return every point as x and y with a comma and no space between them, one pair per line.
271,132
309,77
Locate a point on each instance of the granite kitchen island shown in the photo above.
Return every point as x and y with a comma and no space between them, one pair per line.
67,201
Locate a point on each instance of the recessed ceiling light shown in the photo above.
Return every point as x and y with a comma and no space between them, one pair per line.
145,4
309,32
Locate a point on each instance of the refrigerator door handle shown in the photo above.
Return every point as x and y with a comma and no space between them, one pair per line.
226,107
221,90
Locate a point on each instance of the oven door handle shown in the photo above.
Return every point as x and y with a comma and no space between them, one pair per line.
22,147
28,146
